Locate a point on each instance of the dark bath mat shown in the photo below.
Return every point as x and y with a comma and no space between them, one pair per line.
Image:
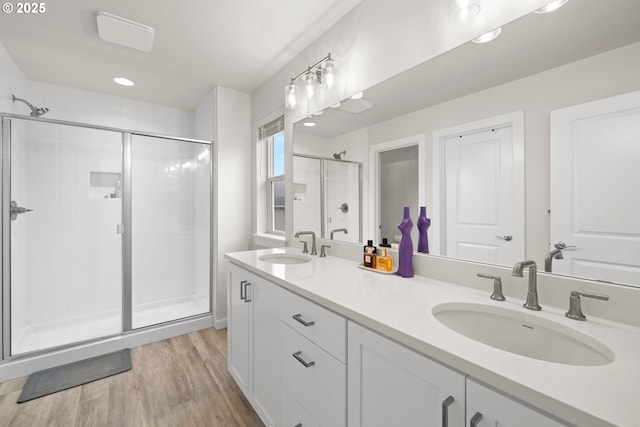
74,374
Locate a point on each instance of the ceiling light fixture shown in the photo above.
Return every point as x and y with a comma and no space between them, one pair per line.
463,10
309,124
123,81
357,95
488,36
551,6
319,74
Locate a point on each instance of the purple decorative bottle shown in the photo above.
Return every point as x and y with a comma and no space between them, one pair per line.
423,226
405,251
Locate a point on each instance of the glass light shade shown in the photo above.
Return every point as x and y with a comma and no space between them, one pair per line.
291,93
488,36
329,72
551,6
310,81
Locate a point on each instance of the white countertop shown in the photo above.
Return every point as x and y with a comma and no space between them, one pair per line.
401,309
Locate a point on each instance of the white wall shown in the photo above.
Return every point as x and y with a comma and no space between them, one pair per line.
231,132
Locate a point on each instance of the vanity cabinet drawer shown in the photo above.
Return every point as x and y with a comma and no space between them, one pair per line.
316,379
292,414
324,327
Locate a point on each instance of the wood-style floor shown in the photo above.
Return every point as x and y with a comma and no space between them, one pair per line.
180,382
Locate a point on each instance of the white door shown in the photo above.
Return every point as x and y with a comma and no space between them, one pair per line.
595,202
481,202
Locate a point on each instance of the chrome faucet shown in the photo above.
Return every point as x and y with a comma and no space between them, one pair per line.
548,259
339,230
313,240
532,293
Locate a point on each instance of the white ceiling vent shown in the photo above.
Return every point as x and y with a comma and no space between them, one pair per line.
356,105
124,32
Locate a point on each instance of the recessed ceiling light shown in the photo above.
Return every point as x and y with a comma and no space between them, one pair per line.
336,105
487,37
123,81
318,113
551,6
357,95
309,124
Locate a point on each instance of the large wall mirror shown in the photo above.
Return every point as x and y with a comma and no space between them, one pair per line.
472,135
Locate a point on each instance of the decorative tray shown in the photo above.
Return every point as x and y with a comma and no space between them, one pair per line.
361,265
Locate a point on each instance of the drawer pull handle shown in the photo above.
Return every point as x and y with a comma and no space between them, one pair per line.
242,290
299,358
475,420
298,318
445,410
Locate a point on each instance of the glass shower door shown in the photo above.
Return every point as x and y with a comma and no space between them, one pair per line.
62,198
171,229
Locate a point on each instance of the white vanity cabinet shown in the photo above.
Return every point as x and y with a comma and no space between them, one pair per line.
390,385
486,407
253,338
313,363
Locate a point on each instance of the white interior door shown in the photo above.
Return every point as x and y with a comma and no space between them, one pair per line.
479,194
595,149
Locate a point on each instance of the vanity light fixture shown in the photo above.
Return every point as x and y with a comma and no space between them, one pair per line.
551,6
322,73
463,10
123,81
488,36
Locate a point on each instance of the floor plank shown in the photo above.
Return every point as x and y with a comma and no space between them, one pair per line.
182,382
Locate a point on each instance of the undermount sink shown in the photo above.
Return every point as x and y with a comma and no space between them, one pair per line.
524,334
285,258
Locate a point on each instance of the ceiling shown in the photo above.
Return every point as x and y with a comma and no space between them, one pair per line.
529,45
198,44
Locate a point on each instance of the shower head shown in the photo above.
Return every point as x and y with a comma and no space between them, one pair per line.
35,111
338,156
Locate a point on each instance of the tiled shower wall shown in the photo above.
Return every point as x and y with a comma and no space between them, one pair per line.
44,158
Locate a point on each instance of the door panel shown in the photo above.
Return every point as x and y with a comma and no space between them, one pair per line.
342,184
595,149
479,195
66,254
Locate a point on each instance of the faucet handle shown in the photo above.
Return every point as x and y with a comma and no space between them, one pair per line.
575,308
322,252
497,286
305,250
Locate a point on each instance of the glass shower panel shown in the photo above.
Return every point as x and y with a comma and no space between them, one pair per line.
171,229
342,194
307,208
66,253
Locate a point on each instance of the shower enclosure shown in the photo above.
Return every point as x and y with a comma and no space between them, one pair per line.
104,232
327,196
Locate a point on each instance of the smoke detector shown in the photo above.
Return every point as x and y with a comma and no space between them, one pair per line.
125,32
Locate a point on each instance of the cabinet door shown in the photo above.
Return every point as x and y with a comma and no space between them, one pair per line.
238,327
390,385
265,298
491,408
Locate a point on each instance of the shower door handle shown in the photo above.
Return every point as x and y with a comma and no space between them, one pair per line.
16,210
